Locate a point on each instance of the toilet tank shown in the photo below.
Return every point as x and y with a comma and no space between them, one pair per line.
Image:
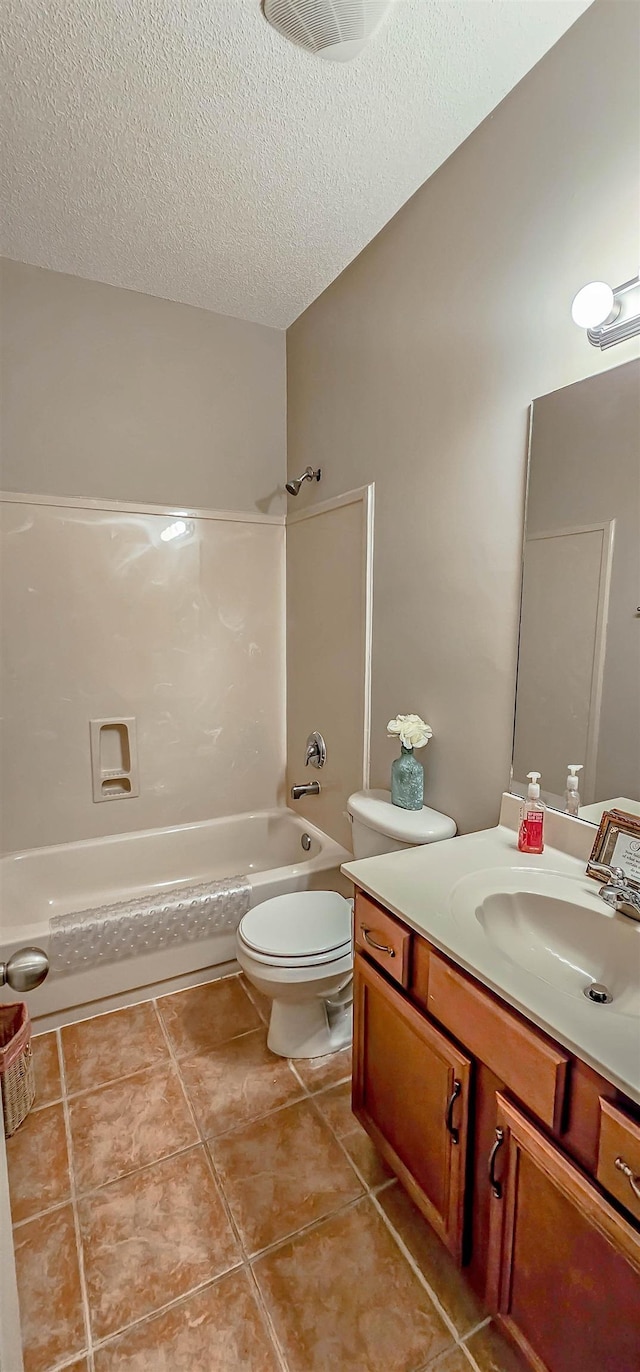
377,826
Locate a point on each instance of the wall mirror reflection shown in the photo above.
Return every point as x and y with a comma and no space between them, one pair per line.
578,684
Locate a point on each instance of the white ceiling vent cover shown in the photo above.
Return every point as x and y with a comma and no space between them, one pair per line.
334,29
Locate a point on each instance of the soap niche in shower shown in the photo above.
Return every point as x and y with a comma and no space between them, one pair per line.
114,759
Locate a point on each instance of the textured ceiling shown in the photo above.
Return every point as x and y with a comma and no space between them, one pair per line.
182,148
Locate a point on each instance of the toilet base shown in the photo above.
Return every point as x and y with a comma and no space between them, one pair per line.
310,1028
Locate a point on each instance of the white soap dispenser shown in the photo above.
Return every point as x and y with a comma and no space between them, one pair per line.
571,796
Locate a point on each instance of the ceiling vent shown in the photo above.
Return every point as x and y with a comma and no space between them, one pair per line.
334,29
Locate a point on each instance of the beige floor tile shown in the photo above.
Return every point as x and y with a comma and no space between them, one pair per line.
47,1069
237,1082
492,1353
316,1073
365,1156
335,1106
38,1163
217,1330
151,1238
433,1259
282,1172
205,1016
342,1296
128,1124
102,1049
49,1290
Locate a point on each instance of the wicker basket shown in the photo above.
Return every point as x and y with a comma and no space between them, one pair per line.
16,1065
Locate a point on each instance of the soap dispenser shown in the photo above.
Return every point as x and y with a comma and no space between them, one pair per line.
531,831
571,796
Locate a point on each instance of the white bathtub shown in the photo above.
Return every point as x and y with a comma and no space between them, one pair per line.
41,882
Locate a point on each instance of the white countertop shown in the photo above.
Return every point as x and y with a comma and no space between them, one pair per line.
416,885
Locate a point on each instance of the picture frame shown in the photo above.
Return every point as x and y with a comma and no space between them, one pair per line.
617,844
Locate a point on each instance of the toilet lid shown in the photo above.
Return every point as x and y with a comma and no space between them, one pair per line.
301,924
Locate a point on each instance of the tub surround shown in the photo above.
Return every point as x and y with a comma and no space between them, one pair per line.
185,635
417,887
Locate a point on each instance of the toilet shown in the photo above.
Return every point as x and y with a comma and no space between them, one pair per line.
297,948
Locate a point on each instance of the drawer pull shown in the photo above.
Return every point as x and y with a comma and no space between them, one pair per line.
624,1167
381,947
496,1186
455,1133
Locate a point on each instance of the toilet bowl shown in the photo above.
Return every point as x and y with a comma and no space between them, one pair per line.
297,950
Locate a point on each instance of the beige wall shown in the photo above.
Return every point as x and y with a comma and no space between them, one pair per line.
416,368
102,618
109,393
327,687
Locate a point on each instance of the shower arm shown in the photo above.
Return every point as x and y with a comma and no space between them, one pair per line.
309,474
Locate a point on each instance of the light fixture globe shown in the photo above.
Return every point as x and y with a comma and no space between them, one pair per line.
336,30
593,305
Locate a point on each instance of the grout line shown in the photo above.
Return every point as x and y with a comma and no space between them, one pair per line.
173,1059
440,1359
306,1229
205,1137
41,1214
71,1362
247,988
74,1200
162,1309
252,1119
416,1269
153,1066
476,1329
267,1319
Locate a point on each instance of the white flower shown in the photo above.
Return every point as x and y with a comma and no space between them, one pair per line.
411,730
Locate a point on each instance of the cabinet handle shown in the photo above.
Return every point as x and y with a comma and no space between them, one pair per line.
496,1186
455,1133
381,947
624,1167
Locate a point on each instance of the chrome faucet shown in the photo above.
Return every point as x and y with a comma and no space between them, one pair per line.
311,788
619,891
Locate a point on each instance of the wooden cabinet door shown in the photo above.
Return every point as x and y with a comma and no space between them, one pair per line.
564,1265
411,1093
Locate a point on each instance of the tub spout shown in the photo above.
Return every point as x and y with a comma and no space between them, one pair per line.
310,788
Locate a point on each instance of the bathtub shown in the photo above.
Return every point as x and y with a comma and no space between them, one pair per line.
267,847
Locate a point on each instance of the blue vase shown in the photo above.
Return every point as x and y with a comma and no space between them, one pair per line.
407,781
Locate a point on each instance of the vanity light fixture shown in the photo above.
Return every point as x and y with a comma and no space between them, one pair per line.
606,314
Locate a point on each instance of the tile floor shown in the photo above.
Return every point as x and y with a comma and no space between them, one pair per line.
184,1201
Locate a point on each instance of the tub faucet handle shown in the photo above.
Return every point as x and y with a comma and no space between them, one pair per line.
316,754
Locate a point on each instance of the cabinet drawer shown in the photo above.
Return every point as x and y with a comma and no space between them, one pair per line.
381,937
618,1167
528,1063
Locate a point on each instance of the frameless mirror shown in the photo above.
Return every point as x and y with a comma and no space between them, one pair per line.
578,685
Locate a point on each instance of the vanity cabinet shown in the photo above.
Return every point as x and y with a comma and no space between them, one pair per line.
411,1092
520,1156
563,1274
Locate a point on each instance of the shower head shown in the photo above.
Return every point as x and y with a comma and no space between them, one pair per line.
309,475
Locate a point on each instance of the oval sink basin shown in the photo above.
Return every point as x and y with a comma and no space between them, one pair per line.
557,929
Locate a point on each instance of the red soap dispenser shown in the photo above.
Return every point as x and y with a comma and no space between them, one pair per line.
531,831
